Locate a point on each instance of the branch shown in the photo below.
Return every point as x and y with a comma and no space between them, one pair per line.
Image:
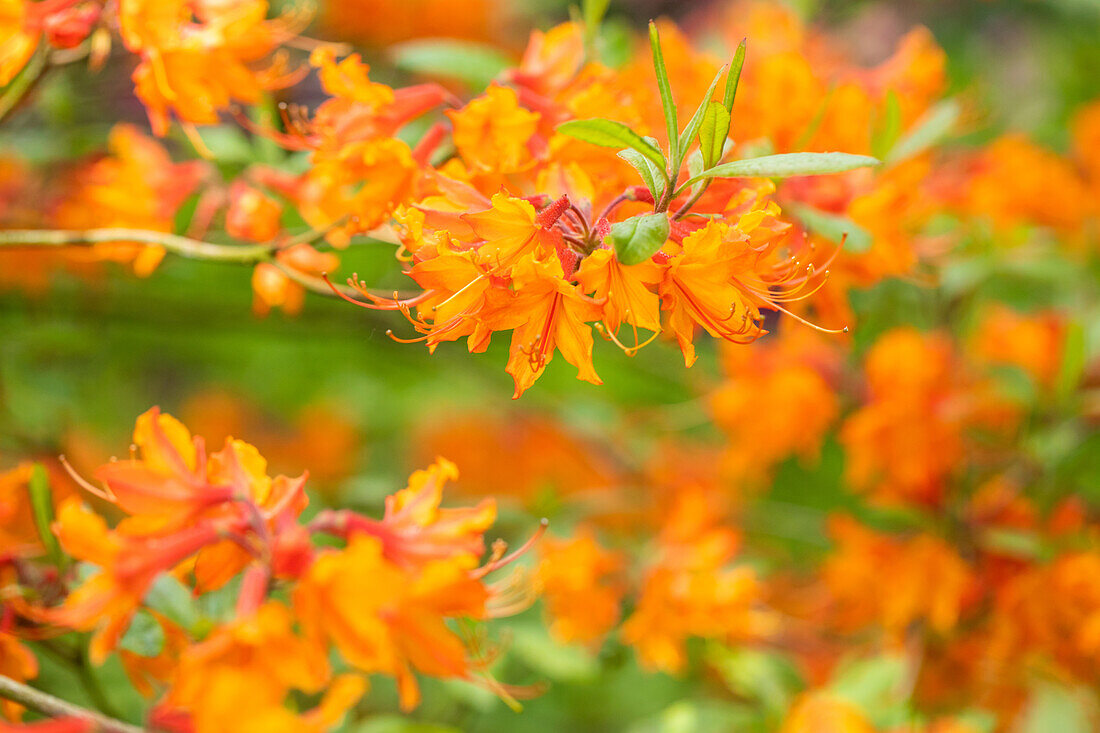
183,246
57,708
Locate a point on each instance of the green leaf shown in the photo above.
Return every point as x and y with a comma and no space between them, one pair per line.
169,597
1056,708
1073,361
473,63
785,165
696,120
734,76
593,13
652,176
611,134
712,134
876,686
42,509
886,132
928,130
833,227
637,238
765,678
666,92
144,637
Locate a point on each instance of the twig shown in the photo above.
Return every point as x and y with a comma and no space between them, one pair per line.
57,708
182,246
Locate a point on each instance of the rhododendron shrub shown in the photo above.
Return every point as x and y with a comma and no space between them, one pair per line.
828,461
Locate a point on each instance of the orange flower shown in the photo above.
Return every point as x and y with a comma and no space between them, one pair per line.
18,663
698,288
138,187
356,188
581,587
1032,342
238,678
691,591
778,400
18,38
385,619
273,288
414,529
911,435
106,601
822,712
196,57
494,134
927,581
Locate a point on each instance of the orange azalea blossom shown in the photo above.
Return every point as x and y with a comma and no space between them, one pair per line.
1032,342
18,663
272,287
239,677
1052,612
414,529
822,712
107,601
581,586
171,483
691,591
137,186
22,22
928,582
383,618
779,399
520,456
493,133
1011,182
198,57
912,433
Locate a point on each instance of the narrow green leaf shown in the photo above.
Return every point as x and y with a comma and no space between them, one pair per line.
636,239
665,89
712,134
1073,362
785,165
1053,707
688,133
695,167
734,76
473,63
888,129
652,177
42,510
833,227
928,130
593,13
611,134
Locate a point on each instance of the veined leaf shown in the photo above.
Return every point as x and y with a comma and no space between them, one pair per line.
712,134
734,76
927,131
785,165
833,227
637,238
665,89
611,134
473,63
696,120
652,177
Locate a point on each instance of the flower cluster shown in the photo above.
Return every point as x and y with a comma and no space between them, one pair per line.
194,525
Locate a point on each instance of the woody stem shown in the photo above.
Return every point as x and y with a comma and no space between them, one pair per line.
182,246
57,708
